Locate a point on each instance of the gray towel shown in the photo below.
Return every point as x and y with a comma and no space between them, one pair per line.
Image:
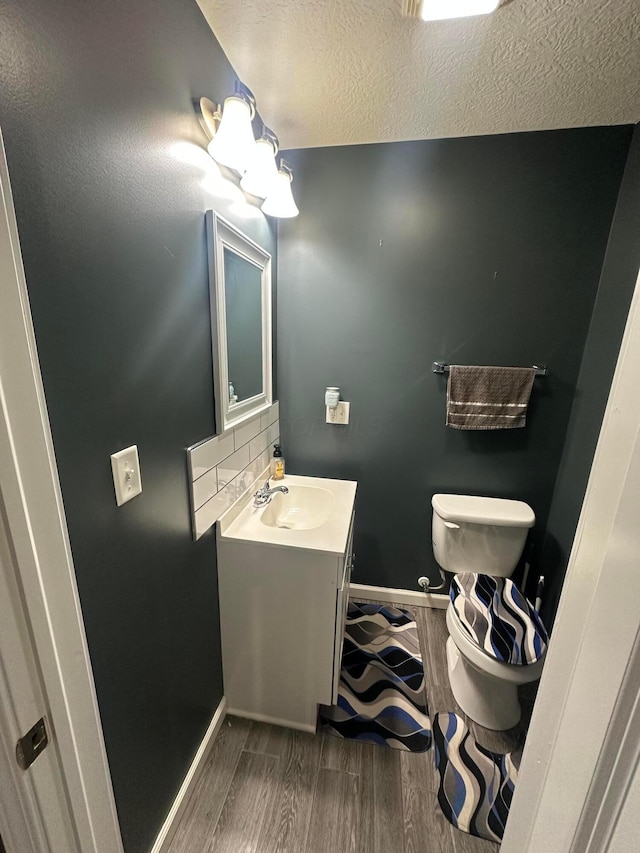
488,397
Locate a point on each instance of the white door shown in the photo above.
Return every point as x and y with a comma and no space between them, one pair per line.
23,826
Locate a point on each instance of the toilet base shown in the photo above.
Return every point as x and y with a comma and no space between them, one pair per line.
488,701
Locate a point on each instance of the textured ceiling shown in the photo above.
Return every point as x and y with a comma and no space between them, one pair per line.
336,72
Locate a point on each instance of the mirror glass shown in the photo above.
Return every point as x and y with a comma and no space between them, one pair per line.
240,297
243,302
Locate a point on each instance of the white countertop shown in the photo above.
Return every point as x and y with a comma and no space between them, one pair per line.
242,521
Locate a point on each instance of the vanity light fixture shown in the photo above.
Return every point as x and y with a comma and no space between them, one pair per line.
440,10
262,172
280,202
233,142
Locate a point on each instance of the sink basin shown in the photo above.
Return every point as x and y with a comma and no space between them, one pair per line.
303,508
315,514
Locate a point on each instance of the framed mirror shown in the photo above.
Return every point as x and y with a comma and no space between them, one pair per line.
240,298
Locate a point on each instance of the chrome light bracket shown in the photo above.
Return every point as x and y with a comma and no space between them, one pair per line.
245,94
209,115
271,137
286,169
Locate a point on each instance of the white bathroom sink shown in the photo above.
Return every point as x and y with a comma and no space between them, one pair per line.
315,514
302,508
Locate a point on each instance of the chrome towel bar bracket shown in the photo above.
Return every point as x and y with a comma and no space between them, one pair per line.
442,367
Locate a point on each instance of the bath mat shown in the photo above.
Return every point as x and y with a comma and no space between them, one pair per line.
476,786
381,695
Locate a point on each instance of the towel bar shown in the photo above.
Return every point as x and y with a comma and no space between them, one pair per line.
442,367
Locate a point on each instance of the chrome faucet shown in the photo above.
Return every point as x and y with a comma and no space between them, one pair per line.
263,496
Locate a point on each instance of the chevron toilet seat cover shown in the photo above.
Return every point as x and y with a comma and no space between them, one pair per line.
498,618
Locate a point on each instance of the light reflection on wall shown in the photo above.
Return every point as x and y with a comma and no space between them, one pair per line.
215,180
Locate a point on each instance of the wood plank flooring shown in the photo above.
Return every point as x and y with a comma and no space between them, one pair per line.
267,789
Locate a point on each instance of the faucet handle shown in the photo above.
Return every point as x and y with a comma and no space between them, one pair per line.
261,493
266,484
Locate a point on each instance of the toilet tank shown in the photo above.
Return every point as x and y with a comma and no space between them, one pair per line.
475,534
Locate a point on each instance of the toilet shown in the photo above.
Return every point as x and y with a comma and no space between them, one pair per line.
496,638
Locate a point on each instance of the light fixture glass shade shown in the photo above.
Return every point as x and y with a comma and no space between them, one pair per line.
439,10
233,143
279,202
262,173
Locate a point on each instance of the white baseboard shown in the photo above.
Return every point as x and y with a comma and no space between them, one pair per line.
176,811
401,596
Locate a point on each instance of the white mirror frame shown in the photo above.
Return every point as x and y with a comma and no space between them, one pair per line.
222,234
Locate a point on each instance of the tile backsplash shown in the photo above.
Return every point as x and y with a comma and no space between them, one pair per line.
223,468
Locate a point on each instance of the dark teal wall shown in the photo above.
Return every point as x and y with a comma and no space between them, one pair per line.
482,250
111,184
617,283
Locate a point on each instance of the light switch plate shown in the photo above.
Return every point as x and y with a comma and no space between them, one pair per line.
340,414
127,480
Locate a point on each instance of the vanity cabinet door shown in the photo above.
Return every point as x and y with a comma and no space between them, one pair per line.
342,603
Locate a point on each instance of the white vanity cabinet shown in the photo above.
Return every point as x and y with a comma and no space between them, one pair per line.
283,605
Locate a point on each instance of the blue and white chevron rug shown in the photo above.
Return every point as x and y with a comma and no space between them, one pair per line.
476,785
381,696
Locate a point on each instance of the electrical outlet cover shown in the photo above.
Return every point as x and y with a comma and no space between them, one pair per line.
340,415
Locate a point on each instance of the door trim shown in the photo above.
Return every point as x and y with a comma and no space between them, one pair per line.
39,539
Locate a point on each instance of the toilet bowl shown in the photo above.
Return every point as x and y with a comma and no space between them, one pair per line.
496,639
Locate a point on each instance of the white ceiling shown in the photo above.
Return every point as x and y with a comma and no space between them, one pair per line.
337,72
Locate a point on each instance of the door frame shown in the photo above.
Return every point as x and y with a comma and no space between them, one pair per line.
575,767
38,536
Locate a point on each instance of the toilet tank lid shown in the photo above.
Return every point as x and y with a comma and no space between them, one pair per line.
478,510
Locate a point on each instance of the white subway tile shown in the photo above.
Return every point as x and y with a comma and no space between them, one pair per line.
205,456
255,466
209,513
269,416
258,444
273,432
259,464
229,468
204,488
246,431
265,458
244,481
237,470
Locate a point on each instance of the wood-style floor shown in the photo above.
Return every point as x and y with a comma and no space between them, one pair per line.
272,790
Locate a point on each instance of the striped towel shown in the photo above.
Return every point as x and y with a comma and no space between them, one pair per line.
488,397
